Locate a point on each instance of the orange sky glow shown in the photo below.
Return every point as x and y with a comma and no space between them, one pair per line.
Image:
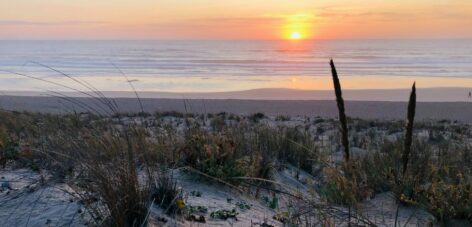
234,19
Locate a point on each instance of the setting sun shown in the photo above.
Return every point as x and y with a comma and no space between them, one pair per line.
295,35
298,26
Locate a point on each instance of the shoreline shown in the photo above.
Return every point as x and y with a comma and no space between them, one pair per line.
371,110
433,94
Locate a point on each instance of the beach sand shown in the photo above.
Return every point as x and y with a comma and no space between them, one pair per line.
382,110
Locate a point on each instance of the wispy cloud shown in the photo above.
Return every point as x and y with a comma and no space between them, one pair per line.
225,22
221,21
267,18
362,14
49,23
239,19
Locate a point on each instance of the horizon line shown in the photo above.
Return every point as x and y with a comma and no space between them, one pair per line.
224,39
257,89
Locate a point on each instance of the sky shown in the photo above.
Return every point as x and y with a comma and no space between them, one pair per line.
235,19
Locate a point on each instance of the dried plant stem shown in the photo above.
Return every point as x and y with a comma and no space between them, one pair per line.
409,128
342,114
343,127
408,141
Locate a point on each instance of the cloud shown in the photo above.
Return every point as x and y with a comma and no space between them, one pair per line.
49,23
239,19
220,21
236,22
356,13
333,14
268,18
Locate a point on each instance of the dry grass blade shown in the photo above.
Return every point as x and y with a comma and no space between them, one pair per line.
214,178
97,101
75,101
131,85
342,114
409,128
102,98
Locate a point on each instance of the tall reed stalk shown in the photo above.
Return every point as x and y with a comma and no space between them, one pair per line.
343,128
407,145
409,128
342,114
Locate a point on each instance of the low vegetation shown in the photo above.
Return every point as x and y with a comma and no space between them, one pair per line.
121,166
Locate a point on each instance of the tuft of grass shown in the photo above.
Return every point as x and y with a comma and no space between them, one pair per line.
166,193
111,164
8,147
108,171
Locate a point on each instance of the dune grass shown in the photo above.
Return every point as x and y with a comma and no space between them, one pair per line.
119,163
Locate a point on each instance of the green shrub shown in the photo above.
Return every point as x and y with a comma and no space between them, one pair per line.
8,147
214,155
256,117
229,155
218,123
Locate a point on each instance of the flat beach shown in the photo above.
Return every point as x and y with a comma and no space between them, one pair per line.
382,110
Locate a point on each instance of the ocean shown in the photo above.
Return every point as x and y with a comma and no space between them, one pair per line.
195,66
